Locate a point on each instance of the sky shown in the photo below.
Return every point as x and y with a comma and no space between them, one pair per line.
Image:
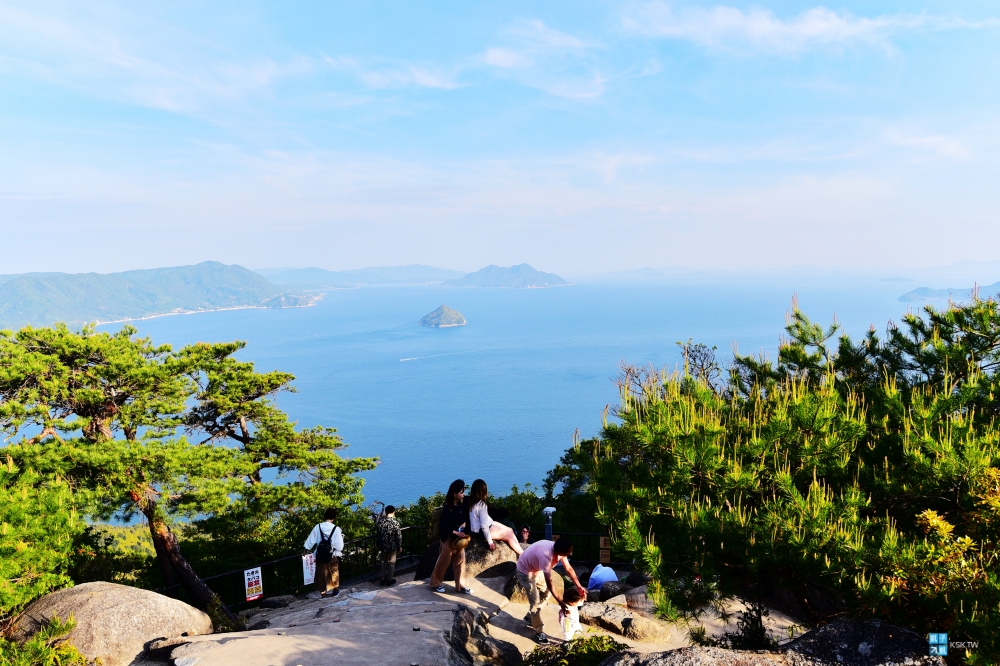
580,137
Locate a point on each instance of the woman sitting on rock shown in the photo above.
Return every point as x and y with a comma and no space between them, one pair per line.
480,521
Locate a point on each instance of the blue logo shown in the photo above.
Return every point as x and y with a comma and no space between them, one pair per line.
938,645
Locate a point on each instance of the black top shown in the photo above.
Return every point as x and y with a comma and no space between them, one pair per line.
452,517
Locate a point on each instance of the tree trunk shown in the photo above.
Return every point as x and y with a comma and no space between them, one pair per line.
166,569
201,595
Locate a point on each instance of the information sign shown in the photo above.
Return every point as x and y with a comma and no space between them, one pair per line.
308,569
255,588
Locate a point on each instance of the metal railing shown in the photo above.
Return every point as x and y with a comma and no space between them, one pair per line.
284,575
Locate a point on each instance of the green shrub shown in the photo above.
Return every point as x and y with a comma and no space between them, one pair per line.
44,648
867,472
583,651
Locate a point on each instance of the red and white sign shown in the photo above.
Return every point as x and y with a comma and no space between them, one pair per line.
308,569
255,588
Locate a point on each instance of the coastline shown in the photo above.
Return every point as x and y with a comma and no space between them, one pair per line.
311,303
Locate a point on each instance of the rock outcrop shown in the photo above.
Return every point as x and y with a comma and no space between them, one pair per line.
613,589
840,643
470,643
860,643
695,656
479,560
114,623
513,590
621,621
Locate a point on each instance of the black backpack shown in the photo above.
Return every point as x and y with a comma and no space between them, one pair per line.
324,551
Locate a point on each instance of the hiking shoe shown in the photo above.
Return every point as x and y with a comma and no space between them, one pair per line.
390,583
439,588
541,638
381,583
335,592
466,590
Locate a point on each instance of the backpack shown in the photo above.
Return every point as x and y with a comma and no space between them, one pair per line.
324,551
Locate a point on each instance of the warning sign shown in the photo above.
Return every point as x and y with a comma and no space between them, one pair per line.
255,588
308,569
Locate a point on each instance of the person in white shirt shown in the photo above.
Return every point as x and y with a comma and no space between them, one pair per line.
328,541
480,521
569,616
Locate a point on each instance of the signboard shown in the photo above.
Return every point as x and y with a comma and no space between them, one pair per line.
605,556
308,569
255,588
605,542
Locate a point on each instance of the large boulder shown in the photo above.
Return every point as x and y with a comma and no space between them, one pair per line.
619,620
479,559
613,589
114,623
470,643
860,643
513,590
637,578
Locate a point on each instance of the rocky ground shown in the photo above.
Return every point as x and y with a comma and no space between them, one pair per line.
366,624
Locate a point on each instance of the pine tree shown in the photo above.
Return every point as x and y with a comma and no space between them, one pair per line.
111,412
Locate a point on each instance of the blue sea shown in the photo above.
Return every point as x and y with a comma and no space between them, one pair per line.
501,397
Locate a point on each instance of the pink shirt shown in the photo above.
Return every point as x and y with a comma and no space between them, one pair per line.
536,558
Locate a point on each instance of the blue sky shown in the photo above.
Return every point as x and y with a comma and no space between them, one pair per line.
580,137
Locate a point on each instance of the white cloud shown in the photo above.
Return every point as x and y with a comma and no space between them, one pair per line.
541,57
505,58
945,146
394,73
730,28
538,36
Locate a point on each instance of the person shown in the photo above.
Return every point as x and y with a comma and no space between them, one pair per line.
480,521
525,534
451,531
389,541
328,541
569,618
601,575
536,563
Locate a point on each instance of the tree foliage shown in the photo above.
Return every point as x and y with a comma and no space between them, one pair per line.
193,435
862,473
38,524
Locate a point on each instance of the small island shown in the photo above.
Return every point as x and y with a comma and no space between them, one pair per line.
443,317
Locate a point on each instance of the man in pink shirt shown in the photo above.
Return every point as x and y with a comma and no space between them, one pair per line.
536,563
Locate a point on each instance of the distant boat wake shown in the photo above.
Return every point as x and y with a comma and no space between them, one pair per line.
419,358
476,351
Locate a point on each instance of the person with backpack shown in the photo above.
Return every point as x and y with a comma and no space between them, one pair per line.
328,541
389,541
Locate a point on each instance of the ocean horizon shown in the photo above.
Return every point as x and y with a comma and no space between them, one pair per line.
499,398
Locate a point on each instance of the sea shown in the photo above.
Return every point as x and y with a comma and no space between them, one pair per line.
501,398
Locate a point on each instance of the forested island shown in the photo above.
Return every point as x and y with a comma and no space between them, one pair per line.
42,299
443,317
845,479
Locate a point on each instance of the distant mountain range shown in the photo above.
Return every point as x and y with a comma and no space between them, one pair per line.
522,276
318,278
924,294
41,299
514,277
